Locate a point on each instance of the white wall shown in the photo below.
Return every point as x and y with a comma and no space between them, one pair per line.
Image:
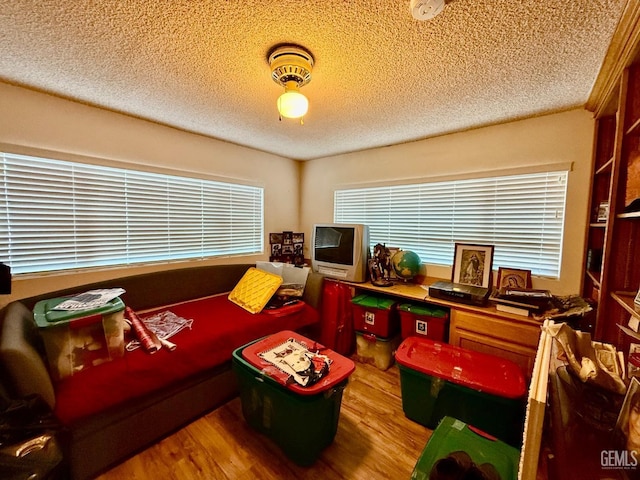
559,138
35,123
296,194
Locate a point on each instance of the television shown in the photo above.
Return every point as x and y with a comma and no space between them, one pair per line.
341,250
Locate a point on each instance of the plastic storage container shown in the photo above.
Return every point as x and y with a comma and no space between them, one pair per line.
439,380
424,320
302,421
376,350
453,435
377,315
76,340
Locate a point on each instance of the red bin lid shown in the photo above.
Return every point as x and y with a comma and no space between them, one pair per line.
339,369
479,371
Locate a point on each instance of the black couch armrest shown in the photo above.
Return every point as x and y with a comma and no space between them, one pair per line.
21,356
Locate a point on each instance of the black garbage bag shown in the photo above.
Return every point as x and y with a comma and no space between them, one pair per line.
30,446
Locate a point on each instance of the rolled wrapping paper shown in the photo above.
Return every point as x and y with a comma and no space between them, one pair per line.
149,340
167,344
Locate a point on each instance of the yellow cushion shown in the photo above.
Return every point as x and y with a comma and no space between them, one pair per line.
255,289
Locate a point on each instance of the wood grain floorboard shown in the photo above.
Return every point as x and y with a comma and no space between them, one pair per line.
374,441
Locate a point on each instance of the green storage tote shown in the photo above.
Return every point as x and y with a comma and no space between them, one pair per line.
438,380
375,314
453,435
301,424
77,339
423,320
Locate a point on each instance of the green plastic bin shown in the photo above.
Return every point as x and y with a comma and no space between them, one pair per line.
375,314
301,425
76,340
424,320
453,435
438,380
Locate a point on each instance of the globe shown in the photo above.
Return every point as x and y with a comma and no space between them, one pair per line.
406,264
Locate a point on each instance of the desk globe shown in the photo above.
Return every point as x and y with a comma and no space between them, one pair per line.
406,264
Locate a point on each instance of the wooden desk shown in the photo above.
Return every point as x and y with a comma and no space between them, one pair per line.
483,329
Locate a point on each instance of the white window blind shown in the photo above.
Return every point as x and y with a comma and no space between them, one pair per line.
521,215
57,215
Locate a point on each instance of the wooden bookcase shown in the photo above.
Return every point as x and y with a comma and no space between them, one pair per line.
612,265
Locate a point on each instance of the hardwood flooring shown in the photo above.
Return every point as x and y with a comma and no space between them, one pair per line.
374,441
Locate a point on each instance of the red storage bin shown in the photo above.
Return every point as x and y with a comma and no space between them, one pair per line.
421,320
438,380
376,315
339,370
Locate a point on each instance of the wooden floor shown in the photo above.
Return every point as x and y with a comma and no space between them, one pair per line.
374,441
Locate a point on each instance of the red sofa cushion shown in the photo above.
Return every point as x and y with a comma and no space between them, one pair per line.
219,327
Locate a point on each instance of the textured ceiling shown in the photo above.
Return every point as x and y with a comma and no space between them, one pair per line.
380,76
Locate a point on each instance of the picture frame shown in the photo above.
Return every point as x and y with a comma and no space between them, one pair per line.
513,278
636,301
472,264
603,212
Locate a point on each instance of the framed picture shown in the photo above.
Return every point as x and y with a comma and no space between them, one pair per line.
603,212
275,238
513,278
472,264
636,301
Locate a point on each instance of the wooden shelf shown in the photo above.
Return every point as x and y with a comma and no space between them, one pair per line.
595,278
625,299
598,225
628,215
606,168
635,127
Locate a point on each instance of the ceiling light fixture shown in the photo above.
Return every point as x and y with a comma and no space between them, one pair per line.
426,9
291,68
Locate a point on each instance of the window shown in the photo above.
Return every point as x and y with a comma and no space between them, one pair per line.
521,215
59,215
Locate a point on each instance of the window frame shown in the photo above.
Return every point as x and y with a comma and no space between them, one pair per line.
69,186
439,199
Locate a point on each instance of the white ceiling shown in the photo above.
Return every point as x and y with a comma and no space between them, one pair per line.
380,76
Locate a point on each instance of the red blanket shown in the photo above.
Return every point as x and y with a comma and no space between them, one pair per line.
219,327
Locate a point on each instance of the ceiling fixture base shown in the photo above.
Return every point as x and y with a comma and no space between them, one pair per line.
426,9
291,63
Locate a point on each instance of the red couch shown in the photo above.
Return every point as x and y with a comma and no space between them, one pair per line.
113,410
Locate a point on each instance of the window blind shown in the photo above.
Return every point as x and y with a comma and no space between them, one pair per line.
521,215
57,215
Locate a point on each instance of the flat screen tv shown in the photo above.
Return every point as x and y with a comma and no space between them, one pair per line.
341,250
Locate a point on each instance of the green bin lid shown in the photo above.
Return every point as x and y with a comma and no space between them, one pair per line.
45,315
453,435
373,301
425,310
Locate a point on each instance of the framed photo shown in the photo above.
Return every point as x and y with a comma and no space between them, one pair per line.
513,278
603,212
636,301
275,238
472,264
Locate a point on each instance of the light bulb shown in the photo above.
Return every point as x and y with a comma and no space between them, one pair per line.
292,104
